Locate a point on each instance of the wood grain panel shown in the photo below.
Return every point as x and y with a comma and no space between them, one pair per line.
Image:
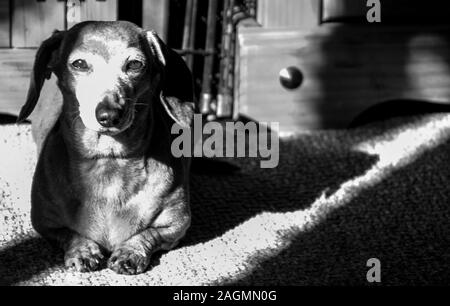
15,72
97,10
346,70
4,24
303,14
34,21
392,11
155,15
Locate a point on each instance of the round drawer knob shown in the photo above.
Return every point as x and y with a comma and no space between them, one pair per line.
291,77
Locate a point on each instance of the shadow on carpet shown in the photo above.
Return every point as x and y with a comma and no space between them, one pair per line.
403,221
29,257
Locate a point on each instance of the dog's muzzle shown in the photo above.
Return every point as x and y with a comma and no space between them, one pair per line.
113,113
108,116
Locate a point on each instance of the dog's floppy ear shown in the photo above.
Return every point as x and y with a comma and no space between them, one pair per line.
41,71
177,90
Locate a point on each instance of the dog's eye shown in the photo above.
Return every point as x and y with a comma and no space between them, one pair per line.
134,65
80,64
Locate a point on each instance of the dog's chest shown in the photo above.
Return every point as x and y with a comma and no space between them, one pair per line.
111,180
118,199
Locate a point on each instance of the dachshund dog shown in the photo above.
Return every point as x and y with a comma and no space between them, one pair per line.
106,183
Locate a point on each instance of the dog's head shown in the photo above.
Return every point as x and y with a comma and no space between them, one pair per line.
107,71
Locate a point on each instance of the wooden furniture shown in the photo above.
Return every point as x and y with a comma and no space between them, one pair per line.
392,11
155,15
33,21
345,68
302,14
4,24
15,72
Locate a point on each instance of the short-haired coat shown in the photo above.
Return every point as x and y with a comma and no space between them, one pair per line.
106,183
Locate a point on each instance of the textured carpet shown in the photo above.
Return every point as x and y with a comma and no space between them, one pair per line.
336,199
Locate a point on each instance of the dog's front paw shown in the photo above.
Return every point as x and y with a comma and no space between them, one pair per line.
85,257
128,261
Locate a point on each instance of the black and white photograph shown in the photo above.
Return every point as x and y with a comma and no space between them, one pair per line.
239,144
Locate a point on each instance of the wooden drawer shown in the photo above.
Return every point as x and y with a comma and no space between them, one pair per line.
346,69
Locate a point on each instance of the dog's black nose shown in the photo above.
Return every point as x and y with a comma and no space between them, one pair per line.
106,116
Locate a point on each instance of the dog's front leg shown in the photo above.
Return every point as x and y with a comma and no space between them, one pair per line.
82,253
133,255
